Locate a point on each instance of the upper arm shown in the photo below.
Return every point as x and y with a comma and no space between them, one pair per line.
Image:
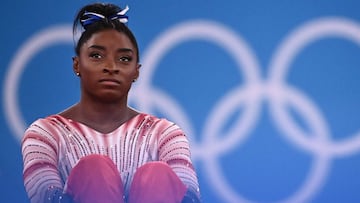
40,161
174,149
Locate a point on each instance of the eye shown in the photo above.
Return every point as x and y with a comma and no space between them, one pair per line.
125,59
95,55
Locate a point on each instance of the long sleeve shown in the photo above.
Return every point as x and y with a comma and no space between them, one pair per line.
52,146
174,149
40,149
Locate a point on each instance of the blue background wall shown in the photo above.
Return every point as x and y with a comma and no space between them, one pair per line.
268,91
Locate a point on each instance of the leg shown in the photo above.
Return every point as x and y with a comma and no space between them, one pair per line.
95,179
156,182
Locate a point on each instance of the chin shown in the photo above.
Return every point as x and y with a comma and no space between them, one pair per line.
110,98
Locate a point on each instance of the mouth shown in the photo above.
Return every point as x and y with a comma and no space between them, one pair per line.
109,81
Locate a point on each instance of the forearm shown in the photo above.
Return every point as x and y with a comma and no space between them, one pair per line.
56,195
40,158
42,185
191,197
176,153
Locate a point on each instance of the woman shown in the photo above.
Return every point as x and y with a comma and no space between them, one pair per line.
101,150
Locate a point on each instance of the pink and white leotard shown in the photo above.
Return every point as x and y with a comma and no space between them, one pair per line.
52,146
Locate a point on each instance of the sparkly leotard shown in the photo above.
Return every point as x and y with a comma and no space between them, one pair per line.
52,146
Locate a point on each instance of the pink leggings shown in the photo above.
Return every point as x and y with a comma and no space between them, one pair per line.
95,179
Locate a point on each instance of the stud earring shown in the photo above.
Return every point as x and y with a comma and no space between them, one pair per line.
134,80
77,73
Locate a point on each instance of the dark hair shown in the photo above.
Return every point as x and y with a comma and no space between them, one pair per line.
107,10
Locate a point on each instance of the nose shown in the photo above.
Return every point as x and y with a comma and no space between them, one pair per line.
111,67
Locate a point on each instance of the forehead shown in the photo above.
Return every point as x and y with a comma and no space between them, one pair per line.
109,38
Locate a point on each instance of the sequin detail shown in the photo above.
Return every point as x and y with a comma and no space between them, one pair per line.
52,146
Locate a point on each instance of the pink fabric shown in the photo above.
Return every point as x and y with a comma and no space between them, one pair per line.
156,182
95,179
47,161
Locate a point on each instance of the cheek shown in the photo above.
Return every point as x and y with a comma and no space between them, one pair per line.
135,74
130,72
88,74
89,68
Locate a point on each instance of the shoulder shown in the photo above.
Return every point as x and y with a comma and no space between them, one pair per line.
157,122
163,128
46,122
46,127
149,123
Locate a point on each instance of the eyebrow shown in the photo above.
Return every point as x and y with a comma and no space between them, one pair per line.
118,50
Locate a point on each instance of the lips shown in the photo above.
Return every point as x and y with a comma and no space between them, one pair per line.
109,81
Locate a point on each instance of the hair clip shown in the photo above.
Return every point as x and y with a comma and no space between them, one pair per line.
91,17
121,15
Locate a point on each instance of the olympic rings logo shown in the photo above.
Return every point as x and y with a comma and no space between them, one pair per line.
274,90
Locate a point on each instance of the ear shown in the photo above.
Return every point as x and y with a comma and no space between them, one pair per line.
138,66
76,65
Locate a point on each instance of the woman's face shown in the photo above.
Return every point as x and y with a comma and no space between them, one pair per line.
107,65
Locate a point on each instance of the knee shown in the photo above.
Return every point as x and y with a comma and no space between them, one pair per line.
94,164
93,159
156,175
156,166
156,182
155,170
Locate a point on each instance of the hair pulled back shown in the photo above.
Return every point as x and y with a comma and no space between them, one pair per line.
107,10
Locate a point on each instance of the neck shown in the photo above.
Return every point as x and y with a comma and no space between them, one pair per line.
102,112
100,115
103,118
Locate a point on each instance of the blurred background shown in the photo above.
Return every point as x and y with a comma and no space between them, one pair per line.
267,91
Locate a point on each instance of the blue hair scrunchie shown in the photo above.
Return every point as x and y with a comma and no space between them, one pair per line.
91,17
